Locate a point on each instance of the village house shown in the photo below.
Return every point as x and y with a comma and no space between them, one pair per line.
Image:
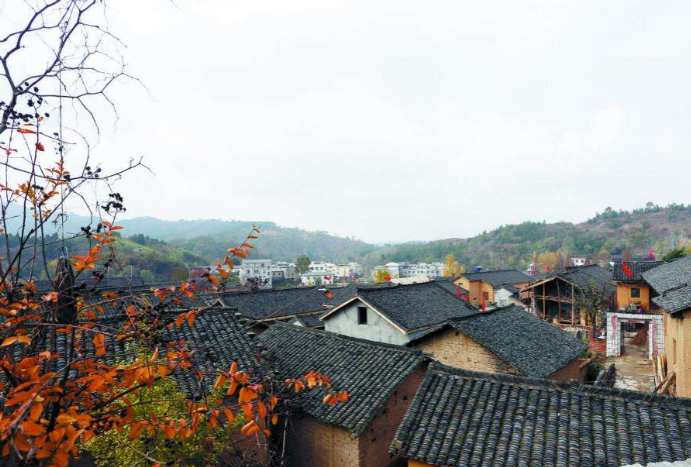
671,292
380,379
461,418
266,306
395,314
482,286
506,340
632,291
555,298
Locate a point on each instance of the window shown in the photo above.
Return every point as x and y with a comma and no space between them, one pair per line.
485,295
635,292
361,315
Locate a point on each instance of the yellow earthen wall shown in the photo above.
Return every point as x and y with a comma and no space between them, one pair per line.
624,296
455,349
678,350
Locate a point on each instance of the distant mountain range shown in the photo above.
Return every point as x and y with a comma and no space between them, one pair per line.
191,242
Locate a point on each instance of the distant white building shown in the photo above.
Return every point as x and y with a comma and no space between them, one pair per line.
348,271
578,262
407,270
323,267
284,272
259,269
312,279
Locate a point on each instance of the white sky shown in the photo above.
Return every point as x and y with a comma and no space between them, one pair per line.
394,120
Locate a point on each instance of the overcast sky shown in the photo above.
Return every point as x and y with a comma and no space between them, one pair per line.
403,120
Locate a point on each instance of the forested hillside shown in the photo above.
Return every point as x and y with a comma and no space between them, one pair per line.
651,228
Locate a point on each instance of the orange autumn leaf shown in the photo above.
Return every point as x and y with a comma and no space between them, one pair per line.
99,341
13,339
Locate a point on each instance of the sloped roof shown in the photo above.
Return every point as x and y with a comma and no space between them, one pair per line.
529,344
590,276
310,321
216,337
461,418
449,286
669,275
369,371
273,304
675,300
499,277
416,306
637,269
672,281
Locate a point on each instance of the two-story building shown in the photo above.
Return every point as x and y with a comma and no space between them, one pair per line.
632,291
482,286
671,291
395,314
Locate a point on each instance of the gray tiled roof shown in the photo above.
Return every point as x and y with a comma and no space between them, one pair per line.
416,306
529,344
216,337
637,269
499,277
461,418
310,321
272,304
369,371
450,286
672,281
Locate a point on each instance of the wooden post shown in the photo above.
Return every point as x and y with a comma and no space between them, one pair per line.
544,303
573,308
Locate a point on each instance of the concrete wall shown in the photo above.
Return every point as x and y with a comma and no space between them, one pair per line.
345,322
455,349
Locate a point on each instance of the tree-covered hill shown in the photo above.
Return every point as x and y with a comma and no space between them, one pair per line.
642,230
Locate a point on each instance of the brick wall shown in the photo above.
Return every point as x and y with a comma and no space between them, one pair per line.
455,349
311,443
376,440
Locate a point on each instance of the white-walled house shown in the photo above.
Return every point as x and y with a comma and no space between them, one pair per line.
395,314
259,269
311,279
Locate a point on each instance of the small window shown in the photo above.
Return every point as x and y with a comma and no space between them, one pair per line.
635,292
361,315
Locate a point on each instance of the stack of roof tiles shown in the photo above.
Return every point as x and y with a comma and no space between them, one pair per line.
461,418
529,344
416,306
369,371
672,281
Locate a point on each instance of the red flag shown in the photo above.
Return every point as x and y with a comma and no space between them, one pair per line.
387,278
484,303
327,278
627,270
547,268
458,290
651,255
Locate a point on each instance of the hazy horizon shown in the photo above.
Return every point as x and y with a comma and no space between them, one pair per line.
393,121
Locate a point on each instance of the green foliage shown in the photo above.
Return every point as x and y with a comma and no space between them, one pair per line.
676,254
302,264
163,399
